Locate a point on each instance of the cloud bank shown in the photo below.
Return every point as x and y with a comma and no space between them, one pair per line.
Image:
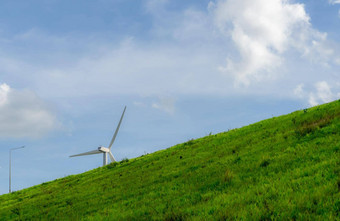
23,114
270,46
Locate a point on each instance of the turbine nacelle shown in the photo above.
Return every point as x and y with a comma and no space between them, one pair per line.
105,150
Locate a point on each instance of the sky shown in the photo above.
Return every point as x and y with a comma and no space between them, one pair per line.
184,69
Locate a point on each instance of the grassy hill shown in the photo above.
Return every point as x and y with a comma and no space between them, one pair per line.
286,167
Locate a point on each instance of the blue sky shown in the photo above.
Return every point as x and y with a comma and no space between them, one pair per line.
183,68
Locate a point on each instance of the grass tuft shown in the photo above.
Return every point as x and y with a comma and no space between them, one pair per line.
228,176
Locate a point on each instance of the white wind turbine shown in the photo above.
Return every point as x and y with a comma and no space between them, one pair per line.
105,150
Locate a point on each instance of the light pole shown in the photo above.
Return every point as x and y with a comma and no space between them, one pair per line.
10,156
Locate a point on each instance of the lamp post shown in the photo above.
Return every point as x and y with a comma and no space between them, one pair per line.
10,156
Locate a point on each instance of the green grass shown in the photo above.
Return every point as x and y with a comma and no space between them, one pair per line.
283,168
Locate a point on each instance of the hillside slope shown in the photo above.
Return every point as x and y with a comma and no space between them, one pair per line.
286,167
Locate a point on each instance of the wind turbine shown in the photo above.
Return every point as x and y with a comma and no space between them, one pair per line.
105,150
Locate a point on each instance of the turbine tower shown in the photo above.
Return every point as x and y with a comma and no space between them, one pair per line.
104,150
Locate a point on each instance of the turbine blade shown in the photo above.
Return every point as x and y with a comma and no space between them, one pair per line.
87,153
115,134
111,157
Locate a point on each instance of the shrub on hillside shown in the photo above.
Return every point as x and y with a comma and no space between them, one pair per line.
124,160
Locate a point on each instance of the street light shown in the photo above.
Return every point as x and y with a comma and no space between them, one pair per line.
10,156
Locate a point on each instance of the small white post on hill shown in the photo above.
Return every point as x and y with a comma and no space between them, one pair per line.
10,157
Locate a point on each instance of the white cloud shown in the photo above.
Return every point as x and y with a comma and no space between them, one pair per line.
312,100
334,2
23,114
324,91
320,50
298,91
139,104
166,104
323,94
337,61
4,90
162,103
263,30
